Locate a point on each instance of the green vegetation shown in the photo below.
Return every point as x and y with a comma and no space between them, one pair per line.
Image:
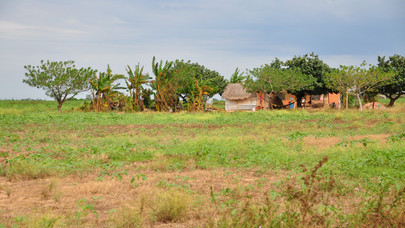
61,80
268,168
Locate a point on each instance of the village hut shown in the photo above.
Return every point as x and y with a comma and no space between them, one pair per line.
237,98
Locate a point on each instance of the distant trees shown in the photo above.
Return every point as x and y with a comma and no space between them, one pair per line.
183,84
395,87
135,81
105,89
312,66
61,80
271,78
196,82
357,80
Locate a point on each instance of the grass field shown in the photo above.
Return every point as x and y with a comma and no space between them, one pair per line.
242,169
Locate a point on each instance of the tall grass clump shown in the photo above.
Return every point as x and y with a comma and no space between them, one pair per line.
171,206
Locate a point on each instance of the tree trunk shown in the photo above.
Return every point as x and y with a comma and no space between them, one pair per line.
392,100
326,101
60,103
347,99
359,100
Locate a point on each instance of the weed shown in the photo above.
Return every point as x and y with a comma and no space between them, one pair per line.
8,192
83,209
385,208
48,189
137,178
396,137
172,206
311,193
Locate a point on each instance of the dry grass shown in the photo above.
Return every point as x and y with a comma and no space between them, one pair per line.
164,199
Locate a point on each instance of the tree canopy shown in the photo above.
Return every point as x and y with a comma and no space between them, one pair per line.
357,80
310,65
186,72
396,86
269,78
60,80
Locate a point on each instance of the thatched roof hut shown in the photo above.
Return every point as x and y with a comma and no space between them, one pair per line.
237,98
235,92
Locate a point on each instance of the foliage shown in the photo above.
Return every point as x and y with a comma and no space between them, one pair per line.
357,80
195,84
237,77
310,65
271,79
172,206
61,80
105,89
395,86
164,85
135,81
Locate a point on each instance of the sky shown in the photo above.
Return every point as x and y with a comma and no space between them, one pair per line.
219,34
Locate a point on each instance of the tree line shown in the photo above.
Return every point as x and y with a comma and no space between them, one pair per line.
183,84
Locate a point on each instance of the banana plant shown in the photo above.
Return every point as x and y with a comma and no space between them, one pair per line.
104,88
198,93
165,96
135,81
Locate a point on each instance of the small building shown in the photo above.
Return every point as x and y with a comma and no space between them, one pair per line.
237,98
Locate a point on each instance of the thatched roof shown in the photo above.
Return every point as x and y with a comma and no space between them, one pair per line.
235,91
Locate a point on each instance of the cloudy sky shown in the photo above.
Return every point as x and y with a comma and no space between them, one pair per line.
219,34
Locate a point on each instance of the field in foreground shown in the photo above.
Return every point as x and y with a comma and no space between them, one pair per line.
268,168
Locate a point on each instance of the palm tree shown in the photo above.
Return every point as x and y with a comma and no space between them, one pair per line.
135,83
104,88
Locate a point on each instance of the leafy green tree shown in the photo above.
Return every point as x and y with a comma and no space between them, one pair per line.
105,88
310,65
270,79
186,72
395,87
237,77
341,80
135,81
61,80
357,80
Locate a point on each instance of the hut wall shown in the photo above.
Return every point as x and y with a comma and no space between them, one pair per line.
247,104
334,98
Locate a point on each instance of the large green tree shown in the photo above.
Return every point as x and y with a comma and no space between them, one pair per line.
271,79
395,87
357,80
310,65
196,83
186,72
61,80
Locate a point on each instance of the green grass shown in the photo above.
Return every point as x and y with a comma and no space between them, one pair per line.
36,141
